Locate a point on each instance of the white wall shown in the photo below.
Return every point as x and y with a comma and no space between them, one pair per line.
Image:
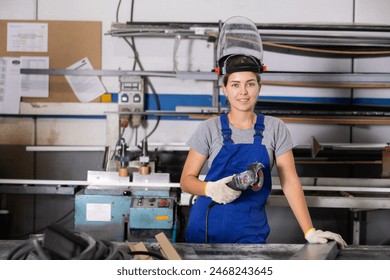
156,54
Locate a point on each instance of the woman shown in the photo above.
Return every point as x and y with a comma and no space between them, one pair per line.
230,143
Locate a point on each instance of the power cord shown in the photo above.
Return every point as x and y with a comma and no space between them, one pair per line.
211,205
59,243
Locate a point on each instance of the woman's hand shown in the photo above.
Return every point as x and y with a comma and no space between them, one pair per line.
219,192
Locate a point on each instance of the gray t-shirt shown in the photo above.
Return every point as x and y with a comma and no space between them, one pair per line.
207,139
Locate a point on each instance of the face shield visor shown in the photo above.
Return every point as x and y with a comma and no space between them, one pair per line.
239,37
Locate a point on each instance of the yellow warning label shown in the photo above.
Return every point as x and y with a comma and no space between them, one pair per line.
162,218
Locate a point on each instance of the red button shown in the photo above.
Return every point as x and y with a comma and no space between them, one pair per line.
163,203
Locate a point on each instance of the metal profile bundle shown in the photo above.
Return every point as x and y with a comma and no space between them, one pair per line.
330,35
281,109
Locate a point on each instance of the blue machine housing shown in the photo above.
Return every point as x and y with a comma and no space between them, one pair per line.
108,214
102,216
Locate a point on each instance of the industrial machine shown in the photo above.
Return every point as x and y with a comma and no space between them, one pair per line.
130,200
135,207
115,209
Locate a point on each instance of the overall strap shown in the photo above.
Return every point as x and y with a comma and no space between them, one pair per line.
259,128
226,131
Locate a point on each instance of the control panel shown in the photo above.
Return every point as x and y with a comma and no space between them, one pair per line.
131,99
151,202
151,212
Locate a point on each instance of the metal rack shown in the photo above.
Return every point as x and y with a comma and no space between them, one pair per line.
330,35
352,40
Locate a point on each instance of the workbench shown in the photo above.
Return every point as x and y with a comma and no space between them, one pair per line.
188,251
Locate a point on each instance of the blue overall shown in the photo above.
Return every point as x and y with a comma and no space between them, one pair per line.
244,220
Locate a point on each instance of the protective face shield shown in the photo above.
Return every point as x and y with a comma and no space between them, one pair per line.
239,37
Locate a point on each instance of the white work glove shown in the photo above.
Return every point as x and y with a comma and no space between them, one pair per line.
219,192
319,236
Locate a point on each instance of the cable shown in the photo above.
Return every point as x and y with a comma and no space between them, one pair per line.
138,61
154,255
59,243
118,141
191,202
96,250
21,251
117,10
147,82
39,250
132,11
211,205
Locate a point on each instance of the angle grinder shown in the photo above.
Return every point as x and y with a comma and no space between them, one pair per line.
252,178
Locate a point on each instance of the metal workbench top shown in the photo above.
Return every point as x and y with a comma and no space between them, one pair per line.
252,251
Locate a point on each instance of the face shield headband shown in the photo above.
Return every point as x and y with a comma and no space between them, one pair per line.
228,67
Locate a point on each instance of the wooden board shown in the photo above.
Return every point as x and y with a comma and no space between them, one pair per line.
140,247
68,42
167,249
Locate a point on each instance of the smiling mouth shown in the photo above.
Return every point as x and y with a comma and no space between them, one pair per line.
243,100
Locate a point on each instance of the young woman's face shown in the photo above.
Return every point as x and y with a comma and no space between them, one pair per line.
242,90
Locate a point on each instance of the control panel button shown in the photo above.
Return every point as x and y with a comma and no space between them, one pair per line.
124,98
163,203
137,98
